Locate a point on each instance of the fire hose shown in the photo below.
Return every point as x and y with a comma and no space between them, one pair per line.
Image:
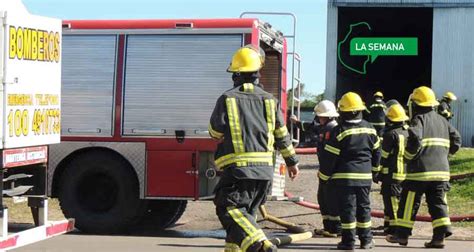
379,214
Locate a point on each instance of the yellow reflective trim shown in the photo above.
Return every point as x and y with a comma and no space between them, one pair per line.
407,212
378,105
288,151
214,133
322,176
351,176
334,218
355,131
377,144
364,224
399,177
332,149
385,154
386,218
378,124
231,247
384,170
376,169
270,111
248,87
404,223
251,239
394,200
241,159
240,219
351,225
408,155
234,123
325,217
435,142
445,221
401,150
429,176
281,132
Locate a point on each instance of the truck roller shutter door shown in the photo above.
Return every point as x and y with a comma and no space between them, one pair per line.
173,81
88,85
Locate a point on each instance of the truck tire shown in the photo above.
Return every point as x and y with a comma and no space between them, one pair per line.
164,213
100,191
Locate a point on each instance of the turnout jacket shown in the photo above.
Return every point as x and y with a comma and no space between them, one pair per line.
393,148
376,114
249,124
351,152
431,138
444,109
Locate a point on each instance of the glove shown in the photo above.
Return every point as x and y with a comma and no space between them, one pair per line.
395,190
376,178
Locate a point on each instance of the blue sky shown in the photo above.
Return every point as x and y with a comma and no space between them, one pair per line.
311,14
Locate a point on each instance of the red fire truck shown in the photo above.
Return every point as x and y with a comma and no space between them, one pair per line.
136,99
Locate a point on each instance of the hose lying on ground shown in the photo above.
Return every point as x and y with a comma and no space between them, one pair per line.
379,214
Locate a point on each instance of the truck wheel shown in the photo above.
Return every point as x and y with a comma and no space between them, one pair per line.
100,191
164,213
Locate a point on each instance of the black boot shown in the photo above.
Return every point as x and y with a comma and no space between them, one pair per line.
342,246
439,244
367,245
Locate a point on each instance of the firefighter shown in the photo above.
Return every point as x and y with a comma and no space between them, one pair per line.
351,153
309,128
430,139
376,113
444,107
326,115
248,124
393,166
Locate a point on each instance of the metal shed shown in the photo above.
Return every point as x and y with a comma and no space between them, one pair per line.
451,60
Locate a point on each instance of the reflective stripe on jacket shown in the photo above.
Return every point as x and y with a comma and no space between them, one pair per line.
249,123
431,138
393,148
351,153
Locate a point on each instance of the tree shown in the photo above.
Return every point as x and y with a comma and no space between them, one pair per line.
308,99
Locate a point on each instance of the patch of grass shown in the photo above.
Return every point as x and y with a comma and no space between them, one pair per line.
462,162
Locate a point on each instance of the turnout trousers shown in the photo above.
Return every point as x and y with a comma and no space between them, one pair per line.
237,201
435,193
328,203
391,198
354,207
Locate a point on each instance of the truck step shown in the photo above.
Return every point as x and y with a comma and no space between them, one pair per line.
17,191
17,176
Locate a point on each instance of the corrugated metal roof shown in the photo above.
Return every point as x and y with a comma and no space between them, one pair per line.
453,65
403,3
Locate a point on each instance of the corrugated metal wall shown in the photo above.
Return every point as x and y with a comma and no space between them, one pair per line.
401,3
453,64
331,53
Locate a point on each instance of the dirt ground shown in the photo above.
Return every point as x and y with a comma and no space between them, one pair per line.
201,215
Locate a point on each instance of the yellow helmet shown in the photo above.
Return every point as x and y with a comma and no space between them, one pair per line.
396,113
350,101
450,96
424,97
245,60
378,94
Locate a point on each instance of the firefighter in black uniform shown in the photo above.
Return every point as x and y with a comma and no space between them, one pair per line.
393,165
431,138
376,113
444,107
248,123
326,115
351,153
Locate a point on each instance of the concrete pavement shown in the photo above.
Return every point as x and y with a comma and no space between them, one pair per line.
202,241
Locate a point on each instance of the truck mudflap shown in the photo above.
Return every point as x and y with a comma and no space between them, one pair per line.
46,229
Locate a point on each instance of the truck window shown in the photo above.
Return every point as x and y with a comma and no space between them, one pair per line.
173,81
88,84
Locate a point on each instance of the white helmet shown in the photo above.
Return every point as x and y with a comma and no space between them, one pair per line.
326,109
